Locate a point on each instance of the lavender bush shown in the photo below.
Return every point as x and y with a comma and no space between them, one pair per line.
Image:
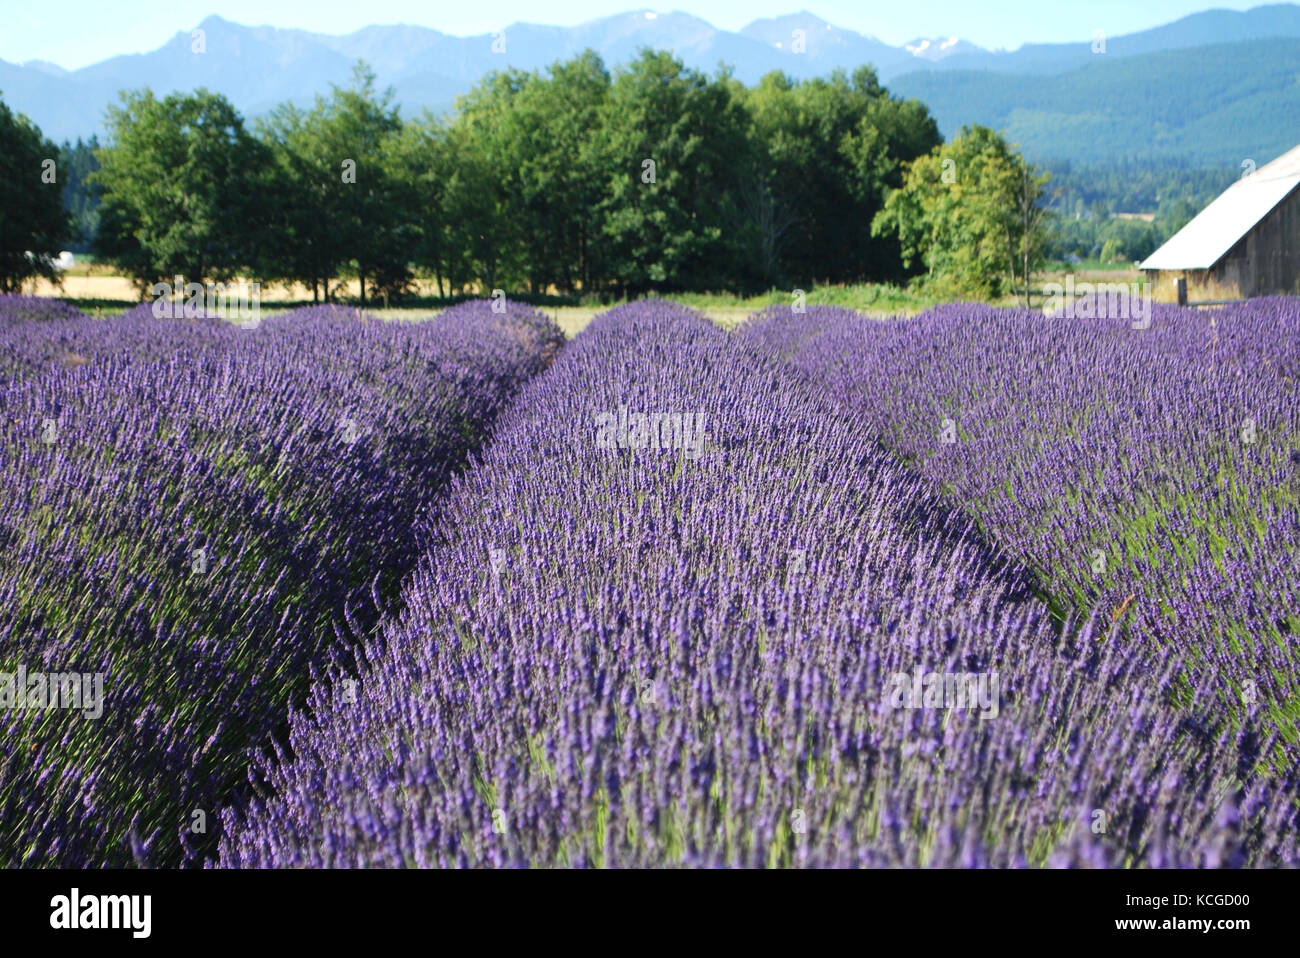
29,349
16,309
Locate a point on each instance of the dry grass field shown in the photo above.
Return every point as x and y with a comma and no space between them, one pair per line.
95,286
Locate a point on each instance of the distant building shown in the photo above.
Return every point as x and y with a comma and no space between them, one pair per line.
1245,243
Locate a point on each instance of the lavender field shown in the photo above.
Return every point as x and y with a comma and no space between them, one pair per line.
204,515
978,588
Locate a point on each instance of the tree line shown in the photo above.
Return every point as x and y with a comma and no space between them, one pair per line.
1091,201
576,179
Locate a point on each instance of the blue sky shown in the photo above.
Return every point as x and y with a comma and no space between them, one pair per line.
73,33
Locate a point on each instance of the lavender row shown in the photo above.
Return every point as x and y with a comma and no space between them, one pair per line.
196,531
1152,473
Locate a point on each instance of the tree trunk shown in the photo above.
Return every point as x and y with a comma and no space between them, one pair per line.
584,272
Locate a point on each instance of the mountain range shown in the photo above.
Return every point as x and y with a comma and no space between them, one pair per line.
1210,87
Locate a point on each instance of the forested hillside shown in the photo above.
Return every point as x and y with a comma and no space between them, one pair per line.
1202,107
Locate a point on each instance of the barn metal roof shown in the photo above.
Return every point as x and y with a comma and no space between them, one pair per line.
1217,228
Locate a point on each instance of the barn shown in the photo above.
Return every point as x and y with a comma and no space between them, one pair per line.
1245,243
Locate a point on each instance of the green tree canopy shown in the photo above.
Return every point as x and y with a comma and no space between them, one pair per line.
33,222
182,188
338,203
970,213
832,148
672,138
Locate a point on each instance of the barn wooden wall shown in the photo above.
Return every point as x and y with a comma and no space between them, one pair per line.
1266,261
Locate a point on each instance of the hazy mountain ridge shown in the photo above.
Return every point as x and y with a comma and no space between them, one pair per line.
258,67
